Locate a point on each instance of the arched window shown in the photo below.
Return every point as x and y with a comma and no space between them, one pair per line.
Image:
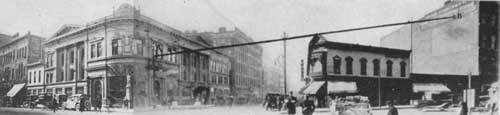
376,67
389,67
348,65
336,64
402,68
362,62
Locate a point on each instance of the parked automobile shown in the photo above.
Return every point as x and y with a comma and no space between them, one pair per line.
73,102
443,107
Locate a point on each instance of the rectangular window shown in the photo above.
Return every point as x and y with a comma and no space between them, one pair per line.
72,57
39,76
62,58
99,49
114,46
93,51
29,78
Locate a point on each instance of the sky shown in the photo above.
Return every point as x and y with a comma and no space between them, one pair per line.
259,19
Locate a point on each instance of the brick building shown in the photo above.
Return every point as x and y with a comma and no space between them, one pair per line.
14,57
342,69
246,62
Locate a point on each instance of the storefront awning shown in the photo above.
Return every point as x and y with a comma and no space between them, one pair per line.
15,89
430,87
342,87
312,88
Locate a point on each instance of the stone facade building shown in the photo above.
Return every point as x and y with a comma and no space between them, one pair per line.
273,80
111,59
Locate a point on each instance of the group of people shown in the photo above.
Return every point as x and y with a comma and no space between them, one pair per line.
54,105
288,102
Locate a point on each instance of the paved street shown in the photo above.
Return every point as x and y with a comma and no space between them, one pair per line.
239,110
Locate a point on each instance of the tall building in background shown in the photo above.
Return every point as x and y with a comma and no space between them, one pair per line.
448,51
15,54
273,80
246,61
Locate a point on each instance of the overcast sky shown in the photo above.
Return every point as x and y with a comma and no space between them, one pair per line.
260,19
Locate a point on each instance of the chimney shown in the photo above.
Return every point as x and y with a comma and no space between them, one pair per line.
222,29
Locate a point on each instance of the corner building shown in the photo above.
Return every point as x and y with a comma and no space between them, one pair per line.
342,69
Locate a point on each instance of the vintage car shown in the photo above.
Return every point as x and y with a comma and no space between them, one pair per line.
73,102
353,105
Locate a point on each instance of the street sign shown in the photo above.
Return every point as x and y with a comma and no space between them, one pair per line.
469,97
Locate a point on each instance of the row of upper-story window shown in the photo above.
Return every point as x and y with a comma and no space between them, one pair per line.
35,77
195,61
245,69
337,62
19,53
16,73
221,67
198,76
244,81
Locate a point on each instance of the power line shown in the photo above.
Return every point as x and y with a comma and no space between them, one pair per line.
457,16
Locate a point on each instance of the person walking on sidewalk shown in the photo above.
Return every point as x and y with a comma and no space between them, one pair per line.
291,104
392,109
54,105
308,106
82,105
464,110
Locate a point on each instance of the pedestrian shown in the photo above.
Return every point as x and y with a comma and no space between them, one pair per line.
98,104
291,105
266,99
308,106
333,106
464,110
82,105
54,105
392,109
281,101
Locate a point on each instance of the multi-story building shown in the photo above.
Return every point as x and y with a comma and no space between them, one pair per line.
448,51
14,57
246,61
340,69
115,58
36,80
273,80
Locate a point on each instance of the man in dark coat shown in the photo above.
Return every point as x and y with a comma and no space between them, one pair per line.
54,105
464,110
82,104
308,106
291,104
392,109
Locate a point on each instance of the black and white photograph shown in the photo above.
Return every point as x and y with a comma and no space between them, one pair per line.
249,57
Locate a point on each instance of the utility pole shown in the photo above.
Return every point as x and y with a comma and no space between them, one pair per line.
284,61
379,95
